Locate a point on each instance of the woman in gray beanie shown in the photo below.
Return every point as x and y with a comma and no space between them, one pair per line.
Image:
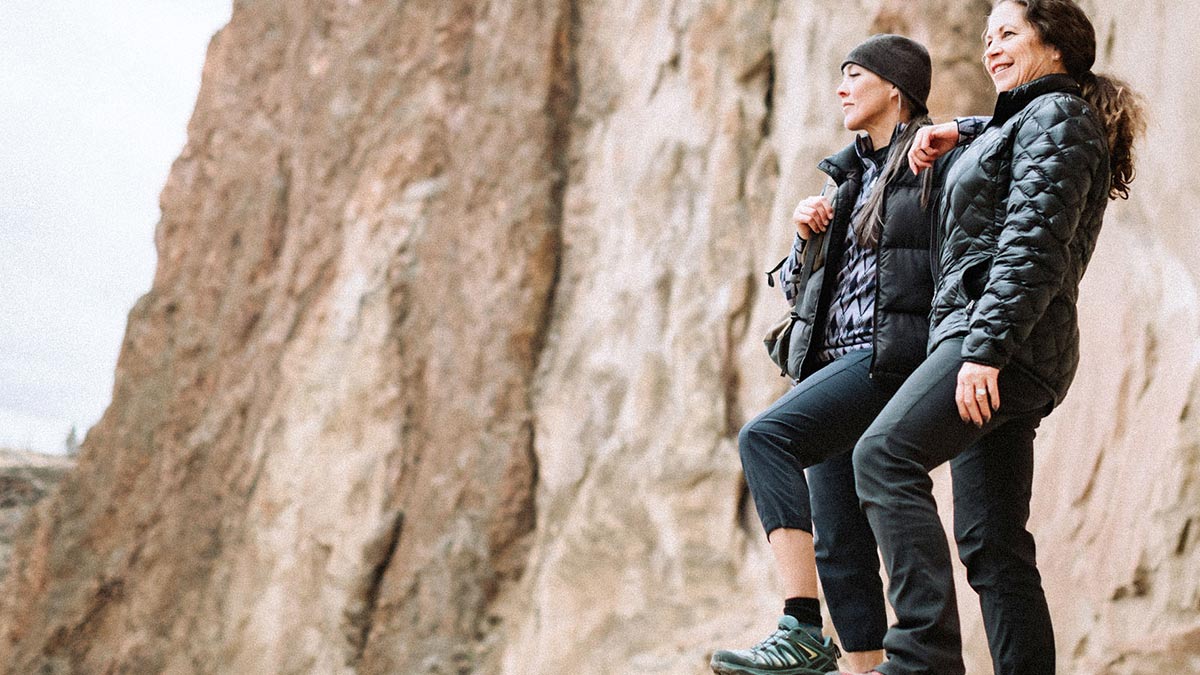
859,281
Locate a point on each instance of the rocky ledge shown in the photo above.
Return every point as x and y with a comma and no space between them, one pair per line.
25,477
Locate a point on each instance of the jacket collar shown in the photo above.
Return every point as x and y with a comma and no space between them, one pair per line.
1013,101
849,160
841,164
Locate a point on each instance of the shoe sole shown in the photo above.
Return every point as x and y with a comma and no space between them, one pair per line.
723,669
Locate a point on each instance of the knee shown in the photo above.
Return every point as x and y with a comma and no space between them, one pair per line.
869,463
749,440
762,441
996,559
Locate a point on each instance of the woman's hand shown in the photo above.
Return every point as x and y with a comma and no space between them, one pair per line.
978,393
931,142
812,216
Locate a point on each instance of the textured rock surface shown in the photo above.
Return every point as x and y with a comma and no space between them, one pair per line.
456,319
25,479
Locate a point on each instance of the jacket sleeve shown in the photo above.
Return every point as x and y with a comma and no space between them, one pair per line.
1058,152
970,128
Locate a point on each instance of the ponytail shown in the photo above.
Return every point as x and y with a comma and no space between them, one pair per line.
869,226
1122,111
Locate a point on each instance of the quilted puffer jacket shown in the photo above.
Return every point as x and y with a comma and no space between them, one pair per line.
1019,216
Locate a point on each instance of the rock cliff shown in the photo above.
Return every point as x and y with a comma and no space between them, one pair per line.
456,319
25,479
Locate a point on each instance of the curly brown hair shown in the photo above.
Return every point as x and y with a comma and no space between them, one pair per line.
1064,25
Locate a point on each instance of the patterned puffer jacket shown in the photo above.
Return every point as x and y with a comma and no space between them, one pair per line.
1019,219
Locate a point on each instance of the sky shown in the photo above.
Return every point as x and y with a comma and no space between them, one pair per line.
94,103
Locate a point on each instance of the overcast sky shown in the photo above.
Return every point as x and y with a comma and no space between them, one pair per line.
94,103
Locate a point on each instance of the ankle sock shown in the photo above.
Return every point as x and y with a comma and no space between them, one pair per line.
805,610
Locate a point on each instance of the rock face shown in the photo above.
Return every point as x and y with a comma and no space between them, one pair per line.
25,478
456,320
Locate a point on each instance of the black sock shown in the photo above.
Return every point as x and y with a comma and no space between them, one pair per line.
805,610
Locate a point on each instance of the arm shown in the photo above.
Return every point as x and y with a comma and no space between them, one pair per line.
811,216
936,140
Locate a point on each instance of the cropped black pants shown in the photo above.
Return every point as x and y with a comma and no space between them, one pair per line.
816,425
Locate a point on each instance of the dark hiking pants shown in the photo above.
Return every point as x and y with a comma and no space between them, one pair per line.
992,471
816,424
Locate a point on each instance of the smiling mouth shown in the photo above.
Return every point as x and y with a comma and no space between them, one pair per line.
997,69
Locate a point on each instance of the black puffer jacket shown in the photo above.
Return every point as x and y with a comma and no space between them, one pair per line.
1020,217
904,283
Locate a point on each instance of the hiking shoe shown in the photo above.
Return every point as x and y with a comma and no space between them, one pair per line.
791,650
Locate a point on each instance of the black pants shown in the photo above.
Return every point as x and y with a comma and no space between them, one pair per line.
816,424
992,471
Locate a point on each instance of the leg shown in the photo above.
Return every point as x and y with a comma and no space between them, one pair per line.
848,562
918,430
793,552
820,417
992,487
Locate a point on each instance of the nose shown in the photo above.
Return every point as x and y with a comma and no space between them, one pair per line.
843,91
991,51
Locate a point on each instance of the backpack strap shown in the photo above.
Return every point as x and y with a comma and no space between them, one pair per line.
776,268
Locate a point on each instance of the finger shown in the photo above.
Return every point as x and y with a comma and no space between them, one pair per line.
820,220
971,397
913,164
921,140
919,159
977,417
979,393
912,155
912,151
993,387
961,401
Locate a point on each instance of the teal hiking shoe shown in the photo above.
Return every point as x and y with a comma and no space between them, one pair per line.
791,650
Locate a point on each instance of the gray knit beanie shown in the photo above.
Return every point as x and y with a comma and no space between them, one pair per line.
899,60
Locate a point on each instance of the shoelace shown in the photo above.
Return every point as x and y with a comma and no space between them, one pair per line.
769,641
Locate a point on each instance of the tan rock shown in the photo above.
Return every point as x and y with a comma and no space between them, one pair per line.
457,316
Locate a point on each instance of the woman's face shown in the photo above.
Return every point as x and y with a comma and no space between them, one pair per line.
1014,52
867,99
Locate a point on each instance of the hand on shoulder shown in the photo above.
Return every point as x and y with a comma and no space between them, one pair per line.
930,143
